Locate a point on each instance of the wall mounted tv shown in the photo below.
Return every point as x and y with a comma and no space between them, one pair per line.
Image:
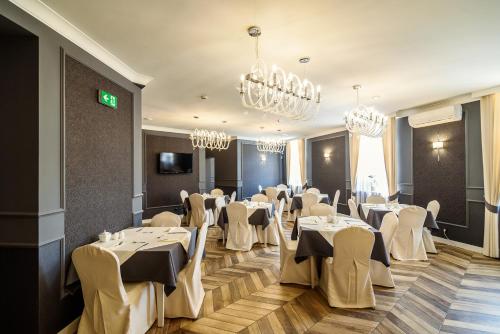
175,163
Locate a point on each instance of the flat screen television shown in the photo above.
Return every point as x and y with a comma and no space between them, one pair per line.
175,163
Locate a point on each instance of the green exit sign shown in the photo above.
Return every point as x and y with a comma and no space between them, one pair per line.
107,99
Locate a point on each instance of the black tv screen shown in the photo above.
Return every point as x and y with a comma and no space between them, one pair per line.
175,163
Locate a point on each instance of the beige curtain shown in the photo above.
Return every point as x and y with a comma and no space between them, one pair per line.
302,159
389,141
353,157
288,154
490,136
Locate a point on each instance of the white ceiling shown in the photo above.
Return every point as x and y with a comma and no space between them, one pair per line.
407,52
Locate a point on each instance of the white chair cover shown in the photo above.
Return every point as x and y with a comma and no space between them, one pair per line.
186,300
375,199
433,207
241,235
313,191
336,201
321,209
233,197
270,234
408,243
291,272
165,219
379,273
111,306
217,192
272,194
199,214
308,200
184,195
281,186
281,207
353,209
259,198
220,202
346,279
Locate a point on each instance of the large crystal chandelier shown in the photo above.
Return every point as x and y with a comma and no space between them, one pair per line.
365,120
271,145
277,92
211,140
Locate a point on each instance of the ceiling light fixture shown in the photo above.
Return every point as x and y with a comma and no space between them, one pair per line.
276,91
364,120
271,145
212,140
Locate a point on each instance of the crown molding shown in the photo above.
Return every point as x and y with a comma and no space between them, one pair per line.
165,129
58,23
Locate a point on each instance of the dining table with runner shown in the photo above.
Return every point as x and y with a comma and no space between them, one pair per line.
373,214
297,201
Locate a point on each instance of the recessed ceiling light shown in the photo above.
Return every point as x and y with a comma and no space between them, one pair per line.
196,117
376,97
146,118
262,128
224,122
204,97
279,130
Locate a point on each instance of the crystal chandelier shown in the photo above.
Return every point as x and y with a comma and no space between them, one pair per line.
276,91
211,140
271,145
365,120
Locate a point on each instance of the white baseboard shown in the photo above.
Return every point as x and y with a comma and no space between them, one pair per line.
72,328
459,244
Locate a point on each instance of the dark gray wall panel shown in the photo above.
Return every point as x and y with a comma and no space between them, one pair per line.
404,160
443,181
228,167
98,157
162,191
254,171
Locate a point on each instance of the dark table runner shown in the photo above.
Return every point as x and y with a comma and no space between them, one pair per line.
375,217
160,264
312,243
261,216
297,202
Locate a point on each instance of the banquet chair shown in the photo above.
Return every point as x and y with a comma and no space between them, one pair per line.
259,198
166,219
353,209
110,305
308,200
433,207
282,186
322,209
408,243
233,197
394,198
379,273
269,235
186,300
272,195
199,214
375,199
336,201
184,195
290,271
241,235
217,192
313,191
345,278
187,217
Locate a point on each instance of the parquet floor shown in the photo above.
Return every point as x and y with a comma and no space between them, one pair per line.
456,291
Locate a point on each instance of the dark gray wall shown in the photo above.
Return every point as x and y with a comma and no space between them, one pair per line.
162,191
228,167
254,171
456,182
330,174
33,241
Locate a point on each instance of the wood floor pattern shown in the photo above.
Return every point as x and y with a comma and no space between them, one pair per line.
456,291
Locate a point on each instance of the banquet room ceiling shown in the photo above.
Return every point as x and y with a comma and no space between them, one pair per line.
407,53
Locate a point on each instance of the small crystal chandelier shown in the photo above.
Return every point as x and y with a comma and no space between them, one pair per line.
365,120
271,145
276,91
211,140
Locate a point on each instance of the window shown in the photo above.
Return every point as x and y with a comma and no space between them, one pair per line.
371,176
295,178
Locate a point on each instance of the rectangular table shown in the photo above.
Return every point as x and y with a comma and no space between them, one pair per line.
151,254
297,201
315,237
209,203
373,214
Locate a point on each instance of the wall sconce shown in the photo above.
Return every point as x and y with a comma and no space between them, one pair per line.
437,145
327,155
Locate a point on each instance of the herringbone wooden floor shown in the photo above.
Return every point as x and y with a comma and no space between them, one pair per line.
456,291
